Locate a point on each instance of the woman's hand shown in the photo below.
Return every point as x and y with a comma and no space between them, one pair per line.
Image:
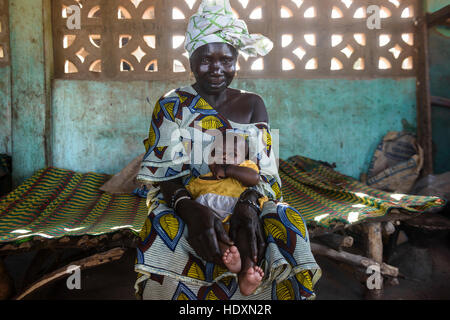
246,230
205,230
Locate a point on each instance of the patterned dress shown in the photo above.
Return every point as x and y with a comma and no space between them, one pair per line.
167,266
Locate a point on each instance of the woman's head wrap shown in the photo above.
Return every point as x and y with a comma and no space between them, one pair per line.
214,22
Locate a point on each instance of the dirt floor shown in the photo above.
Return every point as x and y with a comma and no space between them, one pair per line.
425,275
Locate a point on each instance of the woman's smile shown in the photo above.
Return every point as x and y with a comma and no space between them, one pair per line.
216,81
214,67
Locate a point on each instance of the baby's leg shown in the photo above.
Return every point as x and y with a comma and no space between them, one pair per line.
231,257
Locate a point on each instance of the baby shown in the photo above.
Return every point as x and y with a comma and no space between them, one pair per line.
220,190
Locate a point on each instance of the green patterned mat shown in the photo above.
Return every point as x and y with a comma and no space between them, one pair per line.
326,196
55,202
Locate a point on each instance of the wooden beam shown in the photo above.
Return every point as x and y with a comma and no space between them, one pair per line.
48,76
353,259
336,241
440,102
316,231
424,131
438,17
89,262
122,238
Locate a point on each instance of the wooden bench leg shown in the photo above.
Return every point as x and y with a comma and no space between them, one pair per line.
374,245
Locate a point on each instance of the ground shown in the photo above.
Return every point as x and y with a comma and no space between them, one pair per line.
425,275
425,271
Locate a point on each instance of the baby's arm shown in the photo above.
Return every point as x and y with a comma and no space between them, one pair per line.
247,176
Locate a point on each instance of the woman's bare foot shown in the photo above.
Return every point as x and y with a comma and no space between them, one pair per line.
232,259
250,280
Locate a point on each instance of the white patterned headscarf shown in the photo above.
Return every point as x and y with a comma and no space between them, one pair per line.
214,22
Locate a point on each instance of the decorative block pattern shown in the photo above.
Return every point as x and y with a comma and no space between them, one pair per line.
144,39
4,34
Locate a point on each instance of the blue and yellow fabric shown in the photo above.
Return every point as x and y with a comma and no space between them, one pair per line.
167,267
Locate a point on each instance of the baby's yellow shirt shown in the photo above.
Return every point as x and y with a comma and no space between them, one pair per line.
229,187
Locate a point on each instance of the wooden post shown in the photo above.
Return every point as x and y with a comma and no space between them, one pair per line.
439,17
424,133
49,73
374,245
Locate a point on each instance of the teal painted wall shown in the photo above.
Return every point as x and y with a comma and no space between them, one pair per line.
336,120
99,126
439,45
439,51
28,88
434,5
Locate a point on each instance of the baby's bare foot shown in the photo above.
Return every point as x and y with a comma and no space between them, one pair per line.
232,259
250,280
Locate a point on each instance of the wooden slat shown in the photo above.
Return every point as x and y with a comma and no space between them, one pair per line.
89,262
440,102
439,17
424,130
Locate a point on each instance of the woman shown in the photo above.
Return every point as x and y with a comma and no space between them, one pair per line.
179,256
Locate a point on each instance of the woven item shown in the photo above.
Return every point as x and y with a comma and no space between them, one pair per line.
55,202
325,196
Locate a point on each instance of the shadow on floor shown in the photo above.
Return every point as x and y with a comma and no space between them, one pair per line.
425,271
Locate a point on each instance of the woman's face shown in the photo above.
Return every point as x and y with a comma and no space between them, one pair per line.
214,66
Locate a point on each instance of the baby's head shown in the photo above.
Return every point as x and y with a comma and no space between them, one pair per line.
233,150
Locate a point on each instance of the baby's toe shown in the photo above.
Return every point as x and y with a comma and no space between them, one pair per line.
226,257
259,271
